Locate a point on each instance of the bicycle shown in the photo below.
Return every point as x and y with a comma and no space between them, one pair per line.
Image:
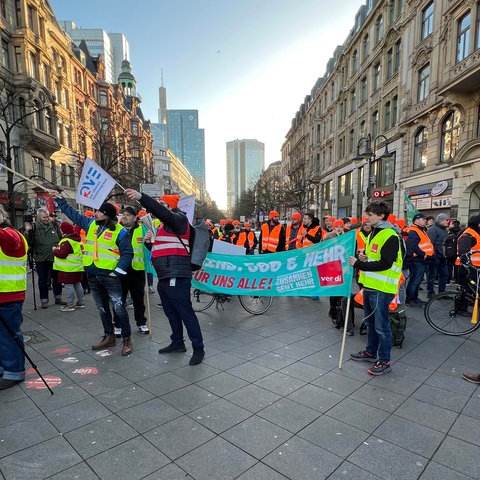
251,303
452,313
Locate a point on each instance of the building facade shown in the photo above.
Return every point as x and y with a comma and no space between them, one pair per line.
245,163
57,108
405,80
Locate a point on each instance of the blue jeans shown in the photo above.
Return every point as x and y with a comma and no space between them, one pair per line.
417,270
379,334
107,290
12,359
438,266
178,308
45,273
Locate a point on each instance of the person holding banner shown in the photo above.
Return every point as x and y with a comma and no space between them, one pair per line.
171,260
380,270
107,254
272,235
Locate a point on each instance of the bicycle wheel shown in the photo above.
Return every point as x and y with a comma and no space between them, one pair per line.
448,313
255,305
200,300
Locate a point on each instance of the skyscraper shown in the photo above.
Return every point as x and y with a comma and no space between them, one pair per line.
187,141
245,163
113,47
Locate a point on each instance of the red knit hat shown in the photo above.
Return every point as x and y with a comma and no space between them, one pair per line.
401,223
338,223
330,219
296,216
274,214
66,228
246,225
170,200
391,218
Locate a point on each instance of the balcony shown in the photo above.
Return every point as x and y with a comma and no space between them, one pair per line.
43,142
463,77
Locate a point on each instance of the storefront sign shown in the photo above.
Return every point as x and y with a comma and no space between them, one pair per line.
423,203
439,188
444,201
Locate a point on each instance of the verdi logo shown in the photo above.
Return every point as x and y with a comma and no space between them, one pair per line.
330,274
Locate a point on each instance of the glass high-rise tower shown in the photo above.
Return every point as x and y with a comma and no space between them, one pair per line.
245,163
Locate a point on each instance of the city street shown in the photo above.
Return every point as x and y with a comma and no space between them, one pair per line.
268,403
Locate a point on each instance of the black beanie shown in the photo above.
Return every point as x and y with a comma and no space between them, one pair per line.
109,210
130,210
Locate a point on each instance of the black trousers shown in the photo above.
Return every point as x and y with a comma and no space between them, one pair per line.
134,283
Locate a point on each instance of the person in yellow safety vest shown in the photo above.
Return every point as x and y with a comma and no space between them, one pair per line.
272,235
311,232
293,232
134,281
107,254
381,268
419,253
68,261
13,274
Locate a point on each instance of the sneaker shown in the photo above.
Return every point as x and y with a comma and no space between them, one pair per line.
472,377
143,329
158,305
363,356
44,305
67,308
130,306
59,301
117,331
79,305
380,368
151,290
173,349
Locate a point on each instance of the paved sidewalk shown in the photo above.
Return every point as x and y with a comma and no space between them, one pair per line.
268,403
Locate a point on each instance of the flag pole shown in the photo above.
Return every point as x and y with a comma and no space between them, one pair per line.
2,165
344,336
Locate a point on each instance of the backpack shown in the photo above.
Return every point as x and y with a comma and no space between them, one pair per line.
449,245
398,324
200,243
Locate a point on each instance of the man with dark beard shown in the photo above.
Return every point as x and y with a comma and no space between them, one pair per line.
272,235
312,231
107,255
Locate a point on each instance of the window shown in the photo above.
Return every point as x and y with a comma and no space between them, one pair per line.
365,47
103,99
53,172
388,170
64,97
378,29
396,55
362,128
317,136
388,113
68,136
79,110
41,166
394,110
4,56
18,160
389,63
32,65
345,185
351,141
427,21
450,136
44,76
165,167
332,91
477,29
135,129
420,149
375,124
37,116
63,174
341,148
60,133
353,101
71,176
18,58
376,77
31,18
354,61
463,39
363,90
391,13
423,83
82,146
3,8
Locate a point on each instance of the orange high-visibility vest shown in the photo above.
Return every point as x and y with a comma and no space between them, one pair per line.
425,244
361,240
475,257
312,231
270,239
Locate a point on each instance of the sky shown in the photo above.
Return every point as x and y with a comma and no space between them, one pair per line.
246,65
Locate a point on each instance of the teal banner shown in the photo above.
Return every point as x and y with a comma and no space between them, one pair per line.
319,270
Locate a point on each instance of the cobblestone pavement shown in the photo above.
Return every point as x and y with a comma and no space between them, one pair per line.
268,403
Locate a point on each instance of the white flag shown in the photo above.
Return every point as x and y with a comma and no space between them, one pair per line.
94,185
187,205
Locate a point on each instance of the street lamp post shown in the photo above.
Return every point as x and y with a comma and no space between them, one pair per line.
369,154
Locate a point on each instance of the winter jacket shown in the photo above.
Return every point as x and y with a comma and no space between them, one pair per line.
437,234
41,238
63,252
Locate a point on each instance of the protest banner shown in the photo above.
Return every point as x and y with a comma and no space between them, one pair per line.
94,185
318,270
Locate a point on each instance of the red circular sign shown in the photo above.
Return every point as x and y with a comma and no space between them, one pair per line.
38,384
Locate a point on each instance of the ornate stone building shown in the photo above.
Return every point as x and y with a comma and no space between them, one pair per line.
403,91
56,109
